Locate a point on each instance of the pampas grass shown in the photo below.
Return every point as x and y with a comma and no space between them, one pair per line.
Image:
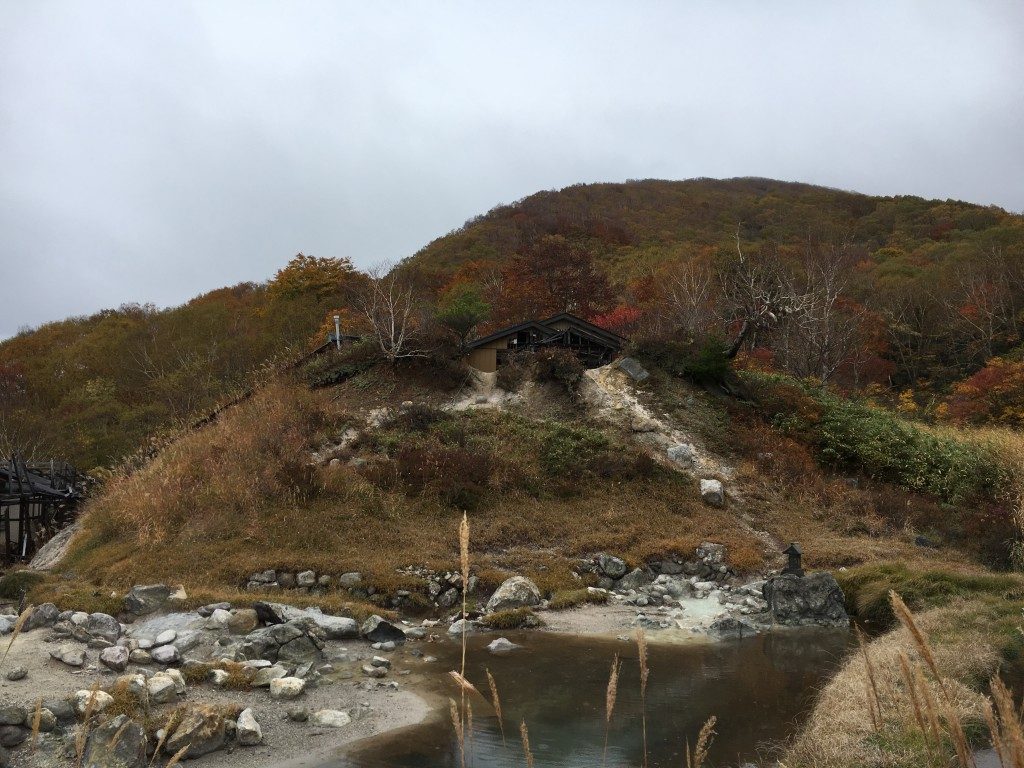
641,645
496,703
871,685
609,704
37,719
18,626
524,734
696,758
82,737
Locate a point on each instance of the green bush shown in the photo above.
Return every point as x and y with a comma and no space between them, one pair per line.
16,583
564,447
703,361
514,618
335,366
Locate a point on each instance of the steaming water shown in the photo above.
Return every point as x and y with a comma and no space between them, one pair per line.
759,688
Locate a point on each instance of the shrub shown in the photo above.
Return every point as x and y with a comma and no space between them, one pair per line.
16,583
455,475
560,366
515,372
514,618
571,598
564,447
335,366
701,360
416,418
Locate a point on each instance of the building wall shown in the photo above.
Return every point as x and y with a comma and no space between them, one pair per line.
485,358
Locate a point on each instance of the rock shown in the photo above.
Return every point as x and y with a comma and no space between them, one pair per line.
287,687
166,637
166,654
265,676
62,709
380,661
324,581
710,553
729,627
117,743
306,579
73,657
47,720
178,678
219,619
139,656
219,677
135,684
161,688
247,731
207,610
376,629
387,645
115,657
12,735
331,718
501,645
611,566
632,368
44,615
670,568
460,626
350,580
800,601
242,621
6,627
516,592
202,729
13,715
712,493
337,627
104,626
682,454
448,598
286,580
299,714
101,701
371,671
143,599
635,579
16,673
264,577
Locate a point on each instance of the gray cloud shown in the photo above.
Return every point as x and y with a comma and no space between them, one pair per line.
153,150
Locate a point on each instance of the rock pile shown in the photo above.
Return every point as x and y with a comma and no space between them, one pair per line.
708,564
444,590
305,582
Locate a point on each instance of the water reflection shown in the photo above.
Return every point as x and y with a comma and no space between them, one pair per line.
758,688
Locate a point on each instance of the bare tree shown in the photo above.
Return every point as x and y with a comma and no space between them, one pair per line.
393,311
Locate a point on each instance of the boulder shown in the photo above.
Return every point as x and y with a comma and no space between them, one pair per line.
117,743
103,625
139,656
161,688
73,657
166,637
13,715
207,610
12,735
44,615
242,621
100,699
377,630
681,454
611,566
287,687
264,676
16,673
47,720
815,599
115,657
632,368
135,684
635,579
712,492
62,709
461,625
515,592
710,553
286,580
337,627
219,619
202,730
731,627
143,599
330,718
350,580
305,579
247,731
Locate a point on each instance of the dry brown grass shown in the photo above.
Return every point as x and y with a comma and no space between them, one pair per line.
857,721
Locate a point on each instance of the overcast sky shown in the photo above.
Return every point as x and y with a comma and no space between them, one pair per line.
150,151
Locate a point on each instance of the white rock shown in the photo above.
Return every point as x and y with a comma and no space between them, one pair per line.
179,681
267,675
100,702
115,657
330,718
218,677
162,689
218,619
247,730
305,579
166,637
712,492
287,687
501,645
165,654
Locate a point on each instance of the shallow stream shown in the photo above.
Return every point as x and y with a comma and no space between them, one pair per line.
759,689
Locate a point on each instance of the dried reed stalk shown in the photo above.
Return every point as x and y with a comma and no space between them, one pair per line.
496,702
641,645
460,732
871,685
911,685
464,685
18,625
1009,734
178,756
696,758
525,736
464,561
907,620
169,726
37,719
609,704
83,732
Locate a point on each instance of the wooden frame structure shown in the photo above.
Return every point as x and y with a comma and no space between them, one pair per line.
36,500
594,346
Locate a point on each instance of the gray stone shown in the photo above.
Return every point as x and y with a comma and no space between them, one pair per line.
166,637
306,579
501,645
337,627
460,626
298,714
287,687
202,729
371,671
207,610
13,715
635,579
711,492
16,673
115,657
731,627
710,553
100,701
73,657
117,743
147,598
448,598
331,718
62,709
611,566
139,656
682,454
632,368
350,580
815,599
104,626
286,580
242,621
166,654
161,688
44,615
263,677
247,730
376,629
47,720
12,735
515,592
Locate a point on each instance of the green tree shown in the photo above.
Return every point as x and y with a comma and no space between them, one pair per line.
461,310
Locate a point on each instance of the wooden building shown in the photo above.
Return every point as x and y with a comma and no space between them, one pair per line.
36,500
593,345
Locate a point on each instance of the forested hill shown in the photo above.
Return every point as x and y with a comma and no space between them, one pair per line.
913,298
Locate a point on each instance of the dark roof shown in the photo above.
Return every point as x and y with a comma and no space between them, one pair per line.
543,326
